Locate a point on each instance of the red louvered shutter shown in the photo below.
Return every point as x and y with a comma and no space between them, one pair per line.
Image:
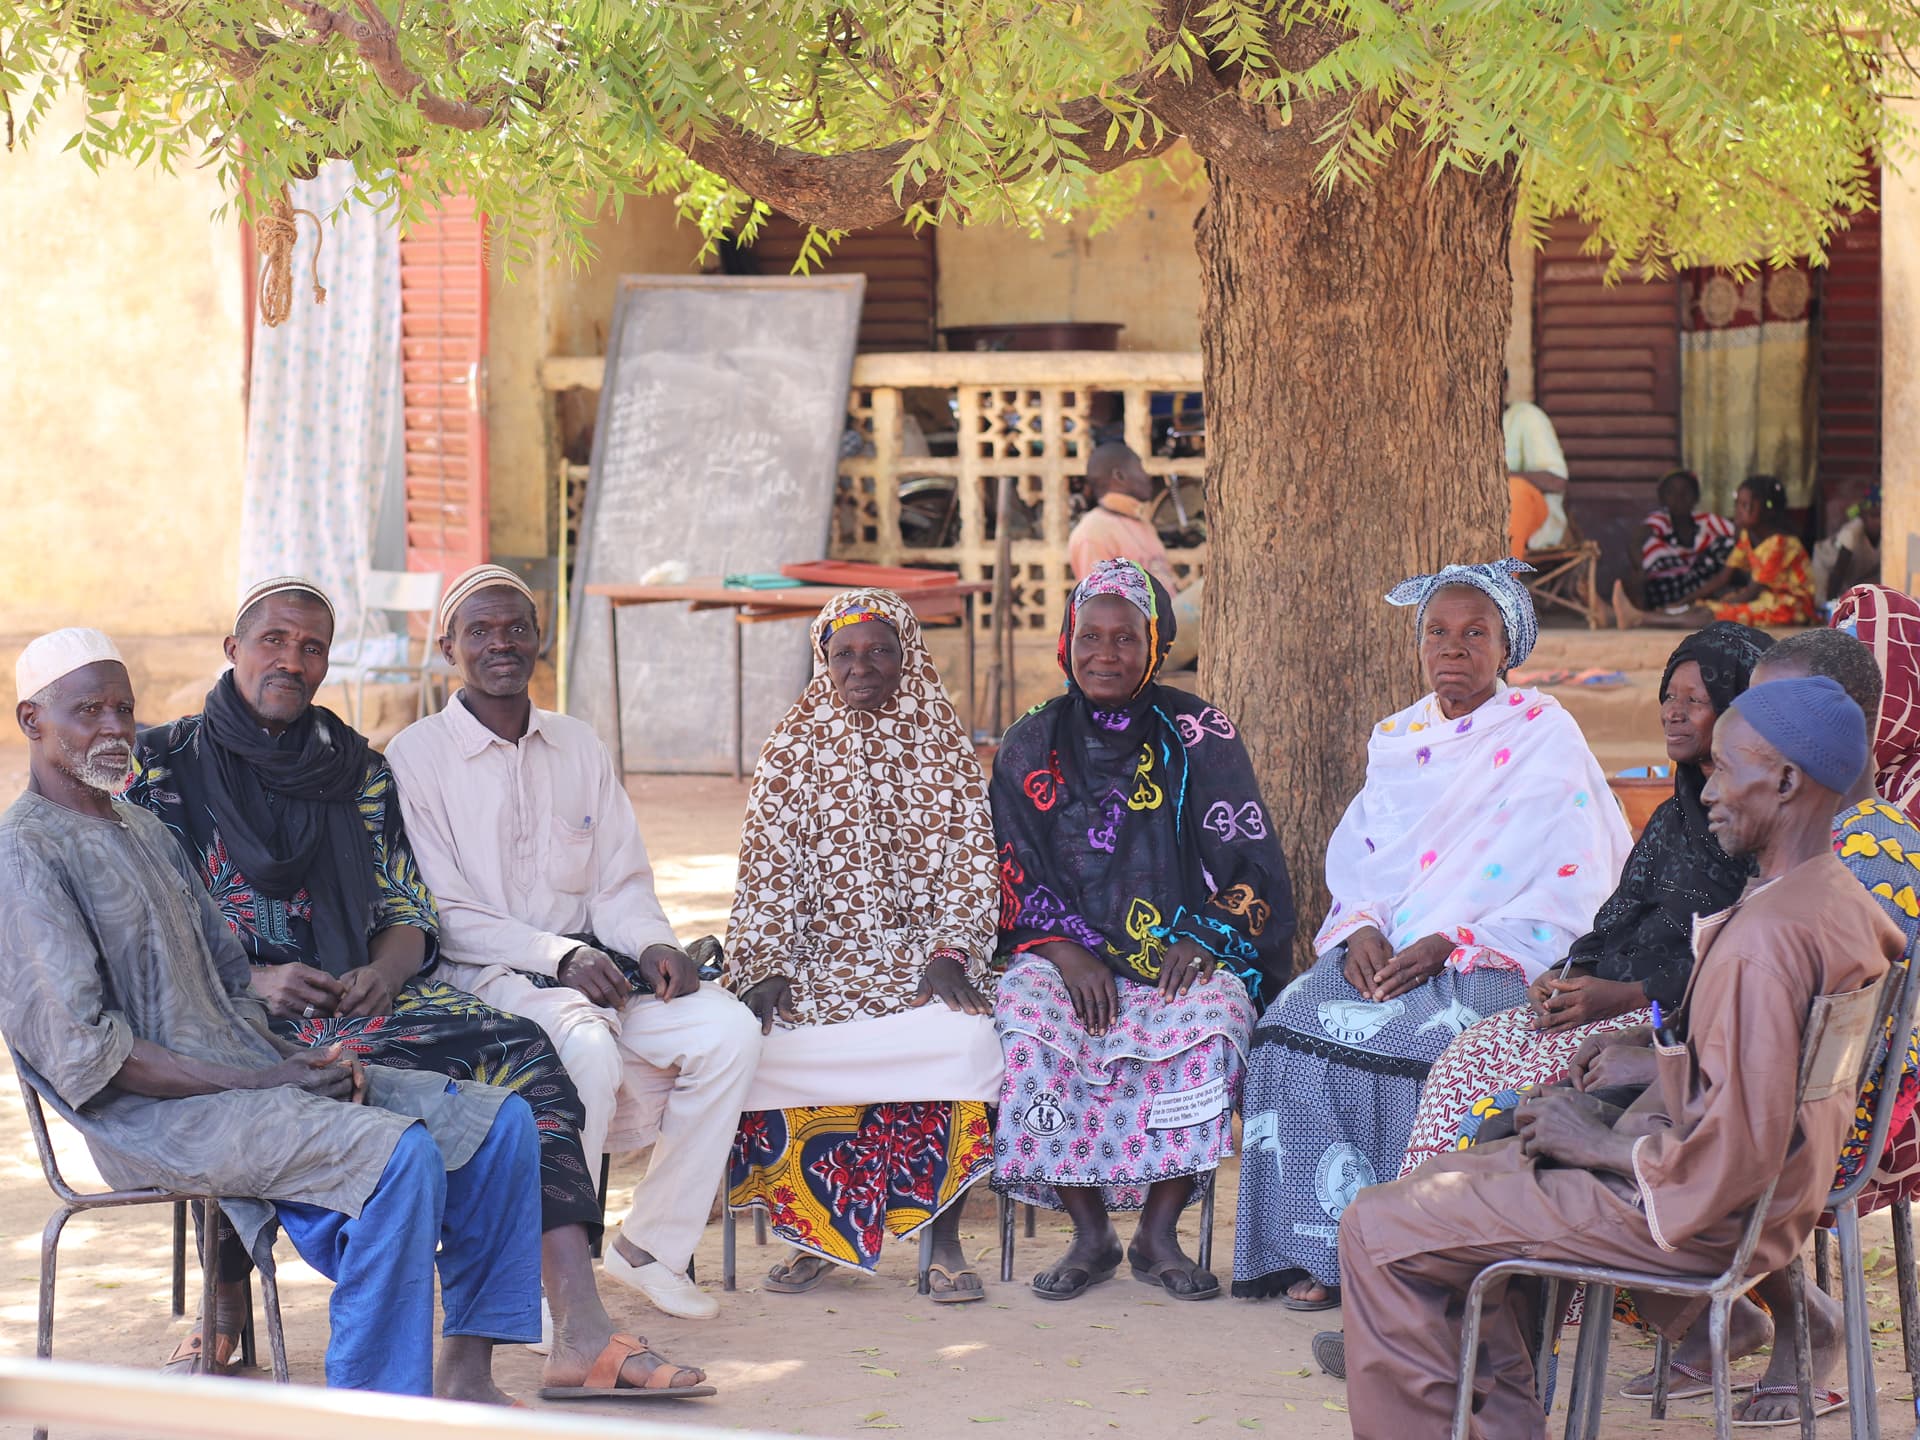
443,356
1849,365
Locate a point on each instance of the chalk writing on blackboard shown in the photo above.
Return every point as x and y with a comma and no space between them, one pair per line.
717,445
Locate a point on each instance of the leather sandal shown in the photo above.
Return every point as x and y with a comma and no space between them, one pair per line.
1205,1285
605,1382
953,1294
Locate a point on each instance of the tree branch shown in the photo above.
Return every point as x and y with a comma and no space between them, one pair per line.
855,189
377,40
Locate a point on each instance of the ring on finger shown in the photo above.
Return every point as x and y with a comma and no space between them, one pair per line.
307,1014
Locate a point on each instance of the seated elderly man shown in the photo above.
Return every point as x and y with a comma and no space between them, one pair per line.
129,998
286,814
546,898
1666,1184
1881,849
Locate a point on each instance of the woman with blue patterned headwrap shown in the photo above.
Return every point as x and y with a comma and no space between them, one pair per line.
1144,908
1478,850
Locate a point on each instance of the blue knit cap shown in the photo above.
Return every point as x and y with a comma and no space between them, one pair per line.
1814,724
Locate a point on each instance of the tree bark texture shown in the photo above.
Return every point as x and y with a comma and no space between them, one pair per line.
1352,342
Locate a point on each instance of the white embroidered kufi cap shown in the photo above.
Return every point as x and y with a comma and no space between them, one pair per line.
57,654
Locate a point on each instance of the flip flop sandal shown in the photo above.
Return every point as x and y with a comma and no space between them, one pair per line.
953,1294
1698,1383
1087,1280
1158,1276
1331,1301
1330,1351
1825,1402
187,1359
603,1380
779,1279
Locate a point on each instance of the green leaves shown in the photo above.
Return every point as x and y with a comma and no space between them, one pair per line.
1691,131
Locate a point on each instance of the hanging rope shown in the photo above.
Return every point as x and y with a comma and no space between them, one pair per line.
276,233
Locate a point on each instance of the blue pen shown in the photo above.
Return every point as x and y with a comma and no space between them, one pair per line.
1658,1024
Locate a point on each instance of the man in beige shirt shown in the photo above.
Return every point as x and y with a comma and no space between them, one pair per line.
1118,527
547,909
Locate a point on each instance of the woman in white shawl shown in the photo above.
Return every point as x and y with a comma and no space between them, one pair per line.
1477,852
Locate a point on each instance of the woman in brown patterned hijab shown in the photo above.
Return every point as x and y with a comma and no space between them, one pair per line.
862,929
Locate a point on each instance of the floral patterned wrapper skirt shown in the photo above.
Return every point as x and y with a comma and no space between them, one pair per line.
836,1180
1501,1055
1152,1099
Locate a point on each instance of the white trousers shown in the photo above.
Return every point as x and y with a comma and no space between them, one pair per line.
932,1053
670,1074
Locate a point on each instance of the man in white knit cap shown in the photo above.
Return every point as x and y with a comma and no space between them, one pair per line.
547,909
129,1002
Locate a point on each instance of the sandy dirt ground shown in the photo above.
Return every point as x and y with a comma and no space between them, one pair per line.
856,1355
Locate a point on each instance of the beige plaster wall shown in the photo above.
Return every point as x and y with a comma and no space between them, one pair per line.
122,420
1900,356
1142,273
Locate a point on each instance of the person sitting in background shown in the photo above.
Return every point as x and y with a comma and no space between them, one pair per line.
1536,479
1681,547
1851,555
1118,525
289,818
1641,946
1665,1185
863,923
1766,581
131,1000
1476,853
1888,624
547,908
1145,905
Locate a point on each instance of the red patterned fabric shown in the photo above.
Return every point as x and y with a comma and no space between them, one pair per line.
1888,623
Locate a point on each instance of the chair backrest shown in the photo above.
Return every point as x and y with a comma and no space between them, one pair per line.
30,1088
1836,1056
400,592
1885,1059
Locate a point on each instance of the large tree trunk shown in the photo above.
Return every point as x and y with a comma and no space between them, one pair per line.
1352,344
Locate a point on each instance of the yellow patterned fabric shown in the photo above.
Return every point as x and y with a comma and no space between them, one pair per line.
836,1180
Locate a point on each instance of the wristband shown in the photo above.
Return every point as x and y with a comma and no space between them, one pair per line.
951,952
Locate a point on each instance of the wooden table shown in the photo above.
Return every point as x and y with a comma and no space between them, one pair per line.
754,607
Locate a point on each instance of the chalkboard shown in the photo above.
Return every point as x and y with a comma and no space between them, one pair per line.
717,444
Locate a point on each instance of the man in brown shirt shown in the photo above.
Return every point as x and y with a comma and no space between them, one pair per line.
1666,1185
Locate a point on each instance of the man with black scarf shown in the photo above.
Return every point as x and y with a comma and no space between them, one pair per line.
289,817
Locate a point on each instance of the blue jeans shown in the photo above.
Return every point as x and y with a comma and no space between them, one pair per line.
484,1221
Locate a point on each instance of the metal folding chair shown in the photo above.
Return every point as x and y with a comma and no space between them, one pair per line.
1838,1055
1203,1185
403,594
1844,1205
729,1246
73,1202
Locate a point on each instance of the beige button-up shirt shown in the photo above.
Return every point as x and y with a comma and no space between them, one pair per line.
523,842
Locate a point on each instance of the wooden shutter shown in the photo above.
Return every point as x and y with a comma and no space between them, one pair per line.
443,351
898,313
1607,372
1848,360
1607,366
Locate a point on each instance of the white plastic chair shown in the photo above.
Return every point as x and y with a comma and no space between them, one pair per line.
402,594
